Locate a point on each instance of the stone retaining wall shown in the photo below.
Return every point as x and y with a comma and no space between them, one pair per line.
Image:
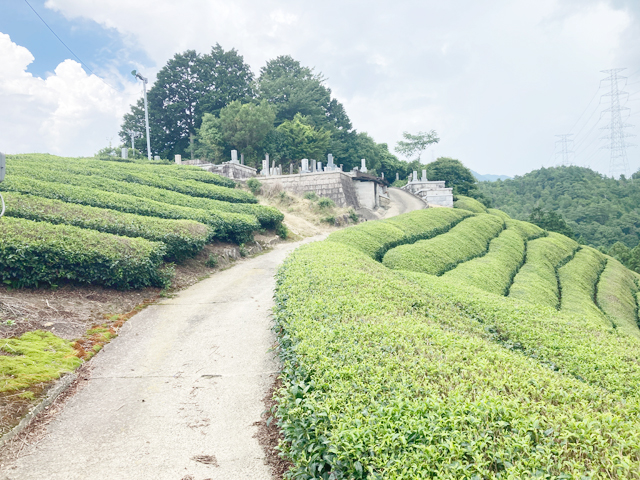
338,186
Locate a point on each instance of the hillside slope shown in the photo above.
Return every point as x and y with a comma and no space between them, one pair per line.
425,373
599,209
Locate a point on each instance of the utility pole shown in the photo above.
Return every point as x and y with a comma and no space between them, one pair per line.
146,109
618,163
564,146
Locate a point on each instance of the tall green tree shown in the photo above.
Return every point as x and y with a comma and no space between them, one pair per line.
416,144
303,140
550,221
245,126
455,175
186,88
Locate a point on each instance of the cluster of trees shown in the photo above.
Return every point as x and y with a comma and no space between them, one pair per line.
205,105
599,210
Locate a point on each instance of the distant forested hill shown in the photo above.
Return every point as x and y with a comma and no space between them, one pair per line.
489,177
600,210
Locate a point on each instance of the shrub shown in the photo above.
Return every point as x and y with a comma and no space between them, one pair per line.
254,185
353,216
537,281
498,213
183,238
616,296
494,271
212,261
468,203
40,253
467,240
311,196
324,202
376,238
282,231
226,226
578,279
392,375
527,230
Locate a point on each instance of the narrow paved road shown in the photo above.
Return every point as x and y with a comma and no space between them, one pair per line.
402,202
185,378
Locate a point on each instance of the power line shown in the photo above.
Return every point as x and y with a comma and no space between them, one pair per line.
67,47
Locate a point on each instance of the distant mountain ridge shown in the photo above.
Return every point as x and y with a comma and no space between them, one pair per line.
489,177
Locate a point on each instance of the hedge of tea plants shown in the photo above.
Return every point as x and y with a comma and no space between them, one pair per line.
111,180
183,238
468,203
226,226
467,240
397,374
537,280
616,296
376,238
179,173
578,279
36,254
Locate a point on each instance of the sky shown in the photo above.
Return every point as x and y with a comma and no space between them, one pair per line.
496,79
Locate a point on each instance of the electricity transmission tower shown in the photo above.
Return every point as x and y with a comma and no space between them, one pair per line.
618,163
564,148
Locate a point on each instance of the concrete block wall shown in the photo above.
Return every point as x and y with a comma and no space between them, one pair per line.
337,186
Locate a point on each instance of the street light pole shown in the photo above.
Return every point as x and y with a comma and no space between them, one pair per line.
146,110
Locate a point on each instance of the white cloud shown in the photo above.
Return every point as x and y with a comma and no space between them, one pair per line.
496,78
68,113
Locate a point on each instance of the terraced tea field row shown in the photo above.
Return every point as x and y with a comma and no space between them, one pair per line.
67,216
458,344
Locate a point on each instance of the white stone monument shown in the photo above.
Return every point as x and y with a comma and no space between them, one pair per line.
304,168
234,156
415,176
178,159
424,175
319,166
125,153
156,157
363,166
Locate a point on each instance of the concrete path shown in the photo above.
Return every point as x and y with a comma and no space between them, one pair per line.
184,381
402,202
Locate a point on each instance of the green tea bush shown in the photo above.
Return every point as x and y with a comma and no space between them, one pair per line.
40,253
468,203
171,171
376,238
527,230
227,226
467,240
616,296
498,213
578,279
268,217
182,238
494,271
391,374
112,180
537,280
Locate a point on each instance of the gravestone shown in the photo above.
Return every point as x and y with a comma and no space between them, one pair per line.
234,156
304,165
125,153
363,166
178,159
156,157
313,166
382,175
330,165
319,166
265,168
415,176
291,169
242,159
397,176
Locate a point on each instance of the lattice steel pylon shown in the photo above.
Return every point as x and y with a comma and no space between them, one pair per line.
618,163
564,148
